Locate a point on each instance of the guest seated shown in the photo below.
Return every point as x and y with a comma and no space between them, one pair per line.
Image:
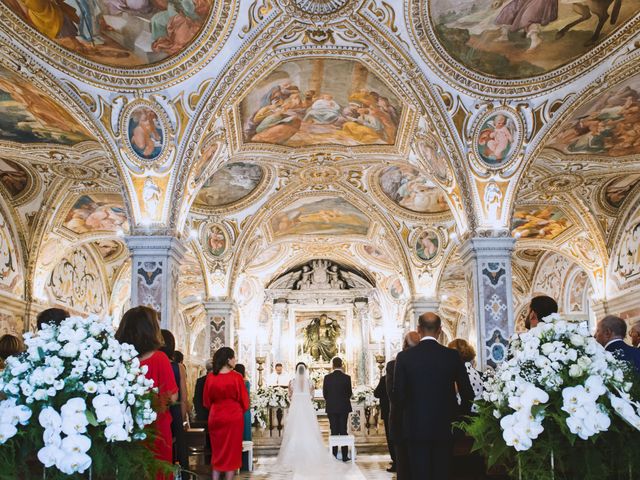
53,316
540,308
278,378
610,333
10,345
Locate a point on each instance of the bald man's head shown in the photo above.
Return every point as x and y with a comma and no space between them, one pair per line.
411,339
429,325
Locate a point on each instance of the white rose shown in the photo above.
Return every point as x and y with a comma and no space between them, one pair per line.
575,370
90,387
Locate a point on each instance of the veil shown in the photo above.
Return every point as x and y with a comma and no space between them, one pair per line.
300,384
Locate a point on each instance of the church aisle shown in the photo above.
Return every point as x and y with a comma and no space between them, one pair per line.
371,467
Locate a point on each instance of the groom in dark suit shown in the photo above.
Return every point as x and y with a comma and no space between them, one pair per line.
426,379
336,390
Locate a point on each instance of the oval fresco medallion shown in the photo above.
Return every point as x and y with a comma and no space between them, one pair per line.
515,39
617,190
396,290
216,240
404,186
230,184
145,132
427,245
119,33
497,137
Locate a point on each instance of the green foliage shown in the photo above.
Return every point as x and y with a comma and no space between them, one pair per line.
611,455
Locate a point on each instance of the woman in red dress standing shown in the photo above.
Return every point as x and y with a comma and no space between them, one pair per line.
140,327
226,398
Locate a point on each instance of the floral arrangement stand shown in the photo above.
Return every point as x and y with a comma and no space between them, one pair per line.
77,405
560,407
268,408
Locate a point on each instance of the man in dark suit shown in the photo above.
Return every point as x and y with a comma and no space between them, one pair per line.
202,414
610,333
381,393
401,456
426,379
336,390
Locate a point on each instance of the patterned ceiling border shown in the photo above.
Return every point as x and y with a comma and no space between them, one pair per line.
168,72
417,18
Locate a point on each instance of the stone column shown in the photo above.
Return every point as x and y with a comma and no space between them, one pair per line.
155,267
362,315
278,317
489,279
420,305
218,311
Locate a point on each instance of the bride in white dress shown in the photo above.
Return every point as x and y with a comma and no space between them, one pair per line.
302,450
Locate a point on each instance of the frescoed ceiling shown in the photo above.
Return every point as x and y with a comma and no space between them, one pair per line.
379,134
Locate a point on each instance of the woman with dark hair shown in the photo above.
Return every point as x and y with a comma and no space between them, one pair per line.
246,433
10,345
225,395
179,411
140,327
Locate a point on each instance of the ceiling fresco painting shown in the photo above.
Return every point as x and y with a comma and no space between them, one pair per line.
109,249
407,188
230,184
14,177
513,39
616,191
321,102
27,115
97,212
544,223
121,33
320,216
607,125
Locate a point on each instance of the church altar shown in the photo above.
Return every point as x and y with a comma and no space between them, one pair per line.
318,311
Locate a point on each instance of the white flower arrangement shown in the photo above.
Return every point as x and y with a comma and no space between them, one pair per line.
363,395
265,398
82,386
558,367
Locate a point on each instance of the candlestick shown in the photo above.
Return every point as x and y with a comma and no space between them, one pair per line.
260,361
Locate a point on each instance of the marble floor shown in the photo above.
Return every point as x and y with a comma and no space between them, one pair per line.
368,467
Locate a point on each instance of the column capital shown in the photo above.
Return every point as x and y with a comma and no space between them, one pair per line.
156,245
425,304
486,247
220,306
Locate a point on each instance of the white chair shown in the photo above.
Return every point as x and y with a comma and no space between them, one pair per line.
247,446
344,441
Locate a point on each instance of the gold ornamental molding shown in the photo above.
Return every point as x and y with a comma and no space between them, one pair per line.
419,20
168,72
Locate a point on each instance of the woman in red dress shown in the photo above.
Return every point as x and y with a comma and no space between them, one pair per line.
226,398
140,327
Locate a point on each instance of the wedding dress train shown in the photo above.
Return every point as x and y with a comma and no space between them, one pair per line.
302,450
